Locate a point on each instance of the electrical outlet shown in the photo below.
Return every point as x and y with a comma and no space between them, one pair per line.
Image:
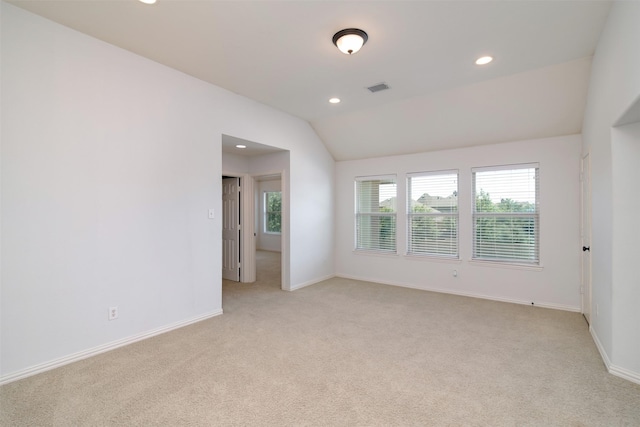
113,313
455,273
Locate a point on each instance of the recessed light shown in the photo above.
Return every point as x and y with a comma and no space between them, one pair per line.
241,146
484,60
334,100
148,1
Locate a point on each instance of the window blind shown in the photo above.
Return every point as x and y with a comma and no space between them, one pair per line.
376,213
432,210
506,214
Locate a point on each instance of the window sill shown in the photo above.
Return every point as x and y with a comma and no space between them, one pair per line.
513,266
273,233
431,258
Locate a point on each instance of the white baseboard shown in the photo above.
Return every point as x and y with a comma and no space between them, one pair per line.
311,282
47,366
464,294
626,374
603,353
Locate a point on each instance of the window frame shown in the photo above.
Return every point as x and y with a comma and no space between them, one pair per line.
358,240
410,251
534,215
266,212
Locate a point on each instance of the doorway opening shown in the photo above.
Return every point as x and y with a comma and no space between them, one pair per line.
262,230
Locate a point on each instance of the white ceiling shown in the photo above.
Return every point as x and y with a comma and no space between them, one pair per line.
280,53
230,146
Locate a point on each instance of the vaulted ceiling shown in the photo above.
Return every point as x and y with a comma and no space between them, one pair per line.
280,53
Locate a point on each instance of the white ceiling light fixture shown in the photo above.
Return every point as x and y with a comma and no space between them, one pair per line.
241,146
350,40
148,1
484,60
334,100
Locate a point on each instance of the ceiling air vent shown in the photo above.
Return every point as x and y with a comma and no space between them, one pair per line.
378,87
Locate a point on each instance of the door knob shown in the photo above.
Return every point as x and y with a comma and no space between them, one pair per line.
586,248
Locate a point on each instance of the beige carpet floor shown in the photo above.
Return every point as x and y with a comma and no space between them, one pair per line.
343,353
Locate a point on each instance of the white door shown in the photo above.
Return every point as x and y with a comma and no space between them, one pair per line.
586,238
231,229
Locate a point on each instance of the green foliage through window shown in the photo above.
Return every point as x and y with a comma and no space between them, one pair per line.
273,212
376,214
506,224
433,214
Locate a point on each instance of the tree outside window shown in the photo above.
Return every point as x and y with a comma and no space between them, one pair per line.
506,215
273,212
433,214
376,214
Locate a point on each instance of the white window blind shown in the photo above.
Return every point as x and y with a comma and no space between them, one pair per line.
432,222
376,213
506,214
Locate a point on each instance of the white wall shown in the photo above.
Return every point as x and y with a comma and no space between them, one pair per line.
1,132
233,163
556,284
109,165
614,85
267,241
625,153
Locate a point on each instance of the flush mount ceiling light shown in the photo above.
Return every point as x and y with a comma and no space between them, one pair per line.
484,60
148,1
350,40
334,100
241,146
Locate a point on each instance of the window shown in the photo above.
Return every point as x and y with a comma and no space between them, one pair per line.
273,212
432,209
506,214
376,214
